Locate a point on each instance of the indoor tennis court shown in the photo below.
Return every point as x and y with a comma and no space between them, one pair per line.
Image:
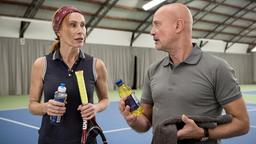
121,34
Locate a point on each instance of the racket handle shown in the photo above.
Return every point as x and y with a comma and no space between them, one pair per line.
84,124
83,138
84,132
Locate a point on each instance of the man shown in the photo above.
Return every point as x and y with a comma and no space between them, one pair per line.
187,82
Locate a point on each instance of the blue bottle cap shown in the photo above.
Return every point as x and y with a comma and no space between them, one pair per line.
62,84
119,82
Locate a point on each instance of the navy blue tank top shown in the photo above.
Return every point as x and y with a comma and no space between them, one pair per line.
70,129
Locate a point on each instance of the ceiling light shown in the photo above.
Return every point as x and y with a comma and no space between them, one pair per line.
152,4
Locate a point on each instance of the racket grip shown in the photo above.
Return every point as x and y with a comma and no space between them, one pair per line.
83,138
84,124
84,132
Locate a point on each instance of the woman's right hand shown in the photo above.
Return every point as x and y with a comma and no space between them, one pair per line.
55,108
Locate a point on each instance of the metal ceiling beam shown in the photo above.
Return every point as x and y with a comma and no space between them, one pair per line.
126,19
228,18
221,14
216,32
144,24
124,7
206,11
12,2
230,5
223,33
240,37
50,8
243,30
226,47
192,8
30,13
216,23
97,13
13,17
101,12
239,34
128,8
203,9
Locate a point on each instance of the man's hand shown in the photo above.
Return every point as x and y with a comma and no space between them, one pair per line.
190,130
125,111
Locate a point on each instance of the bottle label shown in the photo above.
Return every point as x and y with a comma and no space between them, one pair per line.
60,97
133,102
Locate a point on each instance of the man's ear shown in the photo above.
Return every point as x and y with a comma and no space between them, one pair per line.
179,25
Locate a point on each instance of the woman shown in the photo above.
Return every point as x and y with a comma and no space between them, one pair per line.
58,67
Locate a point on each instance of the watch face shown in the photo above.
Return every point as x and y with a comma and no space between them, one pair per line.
204,139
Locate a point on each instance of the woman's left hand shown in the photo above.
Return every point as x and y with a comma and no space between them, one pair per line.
87,111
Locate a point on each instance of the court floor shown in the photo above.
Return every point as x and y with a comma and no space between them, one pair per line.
19,126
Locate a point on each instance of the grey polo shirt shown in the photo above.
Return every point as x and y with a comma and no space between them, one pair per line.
201,85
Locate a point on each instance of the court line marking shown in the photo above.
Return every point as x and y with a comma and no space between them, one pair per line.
251,110
117,130
253,90
19,123
37,128
19,108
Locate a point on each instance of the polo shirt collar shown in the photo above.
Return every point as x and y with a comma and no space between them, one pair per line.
57,55
166,61
193,58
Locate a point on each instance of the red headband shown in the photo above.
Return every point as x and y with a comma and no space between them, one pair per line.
60,14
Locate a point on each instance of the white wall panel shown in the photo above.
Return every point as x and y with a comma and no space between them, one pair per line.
41,31
109,37
144,40
9,28
214,46
238,48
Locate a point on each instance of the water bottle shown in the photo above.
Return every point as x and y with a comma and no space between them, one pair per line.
131,100
60,95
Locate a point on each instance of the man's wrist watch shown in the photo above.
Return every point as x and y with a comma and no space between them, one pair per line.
206,135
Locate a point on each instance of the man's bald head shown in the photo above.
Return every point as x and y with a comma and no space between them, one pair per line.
172,26
176,11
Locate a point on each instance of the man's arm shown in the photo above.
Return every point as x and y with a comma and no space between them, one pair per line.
141,123
240,122
238,126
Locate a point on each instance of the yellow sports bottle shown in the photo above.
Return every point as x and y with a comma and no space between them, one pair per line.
131,100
